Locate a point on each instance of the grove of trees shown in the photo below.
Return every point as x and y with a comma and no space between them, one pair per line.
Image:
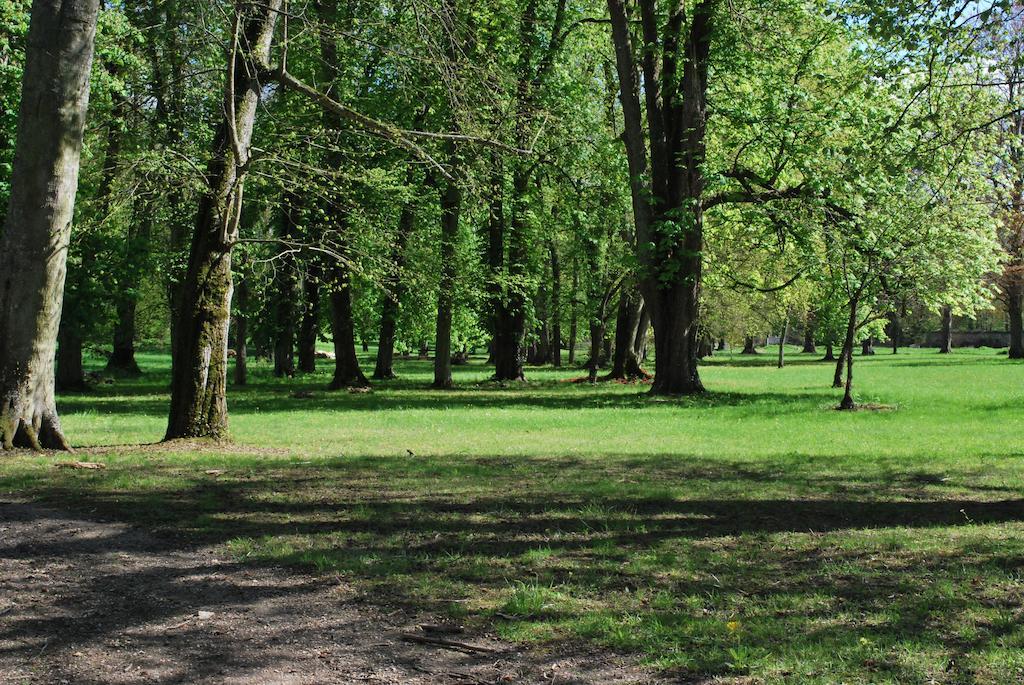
646,180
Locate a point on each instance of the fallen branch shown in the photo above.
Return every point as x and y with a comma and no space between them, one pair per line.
79,465
450,644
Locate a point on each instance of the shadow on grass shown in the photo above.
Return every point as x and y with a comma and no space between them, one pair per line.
414,532
279,396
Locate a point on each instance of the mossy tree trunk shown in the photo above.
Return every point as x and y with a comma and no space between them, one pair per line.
199,367
37,227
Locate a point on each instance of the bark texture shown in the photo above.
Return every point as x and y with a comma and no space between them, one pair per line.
846,356
199,367
946,333
37,228
286,292
668,193
309,328
451,206
626,358
347,373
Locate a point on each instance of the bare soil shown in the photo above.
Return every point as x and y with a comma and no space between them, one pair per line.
85,601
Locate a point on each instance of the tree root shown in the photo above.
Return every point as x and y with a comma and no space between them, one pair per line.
40,432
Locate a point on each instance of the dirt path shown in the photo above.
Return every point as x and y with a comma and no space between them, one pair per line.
95,602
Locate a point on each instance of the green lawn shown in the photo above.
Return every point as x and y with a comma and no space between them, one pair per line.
750,532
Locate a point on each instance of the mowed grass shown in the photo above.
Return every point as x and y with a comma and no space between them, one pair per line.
753,534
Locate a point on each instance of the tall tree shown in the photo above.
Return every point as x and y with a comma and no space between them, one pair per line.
668,182
199,370
33,247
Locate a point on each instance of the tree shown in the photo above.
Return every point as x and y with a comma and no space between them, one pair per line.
668,195
199,372
33,247
1008,68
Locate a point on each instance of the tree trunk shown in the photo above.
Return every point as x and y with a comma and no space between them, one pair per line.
809,346
867,347
946,339
640,343
626,361
510,308
847,402
122,360
556,305
541,348
347,373
782,344
70,372
597,330
674,317
241,334
846,355
309,328
894,329
1014,308
393,292
830,355
286,292
705,347
748,345
451,205
509,357
199,368
384,368
837,377
37,226
574,311
669,194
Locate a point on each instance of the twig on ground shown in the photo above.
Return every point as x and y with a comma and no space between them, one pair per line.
450,644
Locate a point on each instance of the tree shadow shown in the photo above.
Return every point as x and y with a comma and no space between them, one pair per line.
300,395
596,535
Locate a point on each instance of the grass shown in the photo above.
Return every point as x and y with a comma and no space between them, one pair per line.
753,534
